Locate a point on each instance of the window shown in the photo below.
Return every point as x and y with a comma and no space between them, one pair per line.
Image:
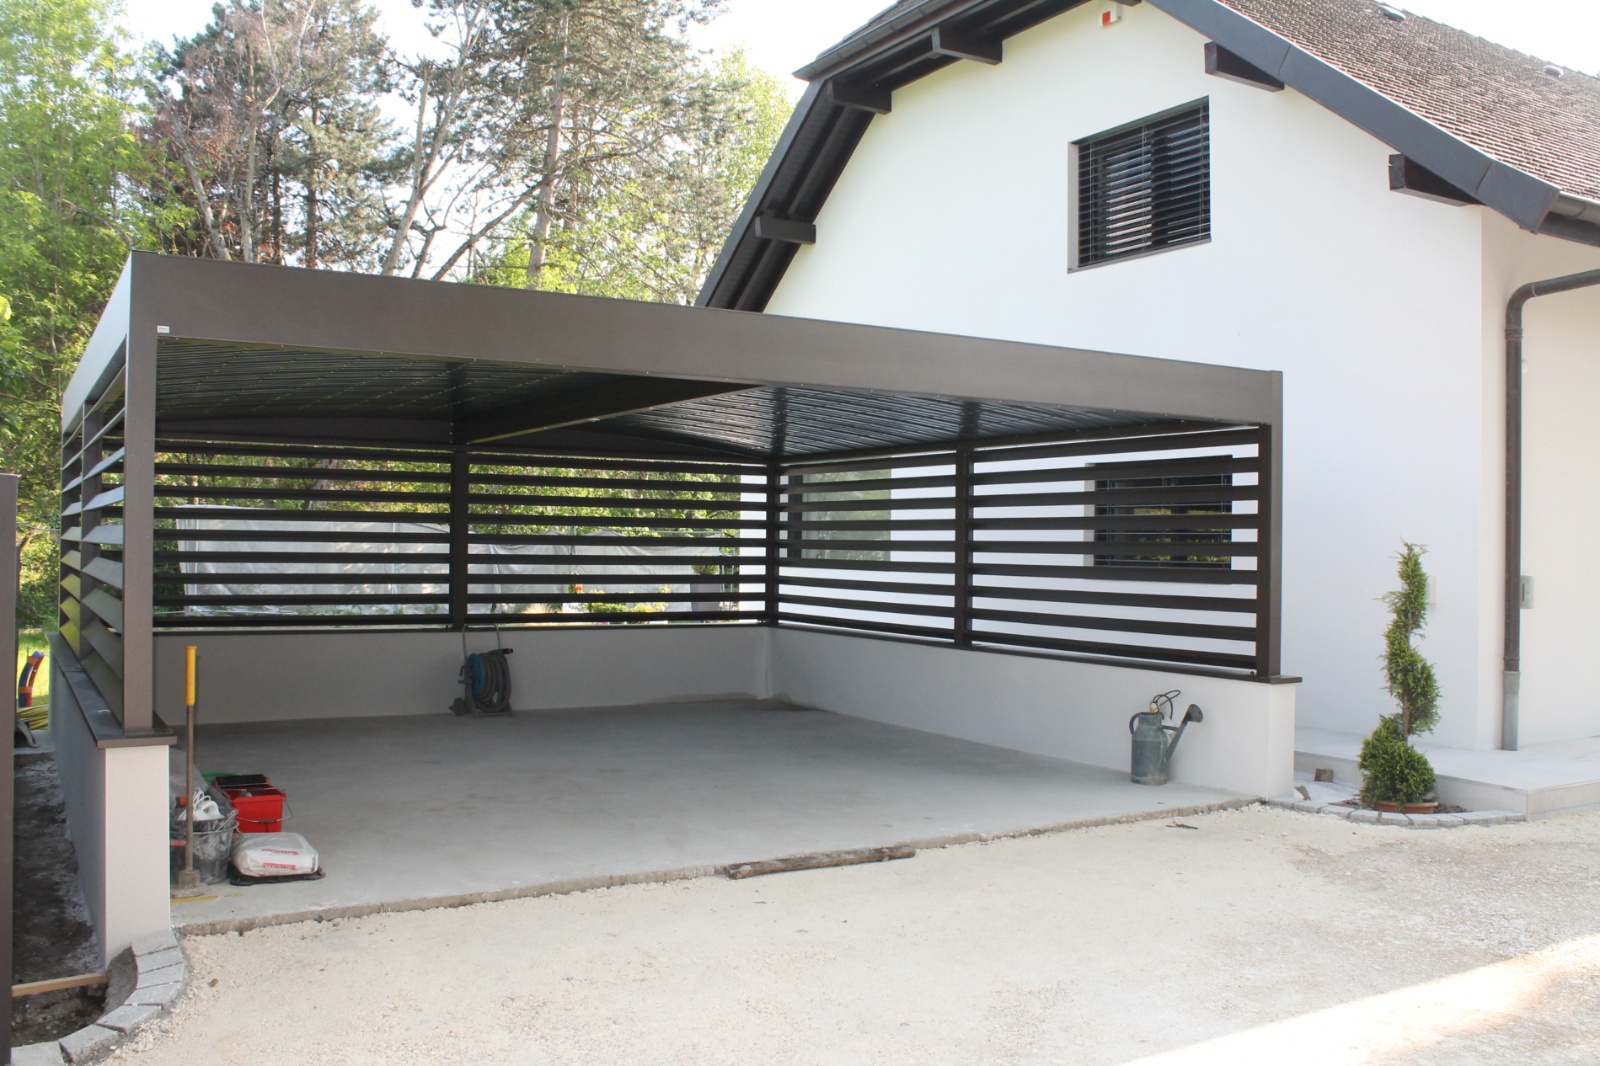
1145,188
1178,535
855,507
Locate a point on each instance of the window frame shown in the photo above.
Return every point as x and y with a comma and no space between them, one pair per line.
1076,182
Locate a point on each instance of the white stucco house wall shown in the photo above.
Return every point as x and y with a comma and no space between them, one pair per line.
1379,185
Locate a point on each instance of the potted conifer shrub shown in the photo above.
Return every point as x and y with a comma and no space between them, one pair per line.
1395,776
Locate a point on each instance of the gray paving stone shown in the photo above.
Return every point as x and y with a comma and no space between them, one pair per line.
156,960
129,1016
1424,821
38,1055
1391,818
1307,806
149,945
1364,817
89,1043
1450,821
163,995
1337,810
165,975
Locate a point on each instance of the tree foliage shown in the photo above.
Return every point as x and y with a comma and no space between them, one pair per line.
70,161
1409,677
579,145
1392,769
271,124
527,98
649,227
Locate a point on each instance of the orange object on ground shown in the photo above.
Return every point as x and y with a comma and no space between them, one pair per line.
30,677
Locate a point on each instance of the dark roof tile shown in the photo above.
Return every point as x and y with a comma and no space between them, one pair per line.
1496,99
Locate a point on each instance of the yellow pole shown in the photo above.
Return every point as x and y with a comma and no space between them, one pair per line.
189,880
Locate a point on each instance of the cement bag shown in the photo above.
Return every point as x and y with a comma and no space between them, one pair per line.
273,855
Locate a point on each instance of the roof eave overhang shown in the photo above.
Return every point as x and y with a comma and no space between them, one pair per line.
750,266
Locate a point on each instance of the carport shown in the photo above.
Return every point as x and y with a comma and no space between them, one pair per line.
980,556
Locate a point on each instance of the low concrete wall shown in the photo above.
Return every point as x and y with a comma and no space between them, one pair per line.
268,676
1070,710
117,818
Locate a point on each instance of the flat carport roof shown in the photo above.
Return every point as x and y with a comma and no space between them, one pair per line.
293,353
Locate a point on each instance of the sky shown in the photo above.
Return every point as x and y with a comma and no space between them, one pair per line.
782,35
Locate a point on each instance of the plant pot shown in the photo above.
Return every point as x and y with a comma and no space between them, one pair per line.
1408,808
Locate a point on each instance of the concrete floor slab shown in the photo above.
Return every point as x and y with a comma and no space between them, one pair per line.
417,811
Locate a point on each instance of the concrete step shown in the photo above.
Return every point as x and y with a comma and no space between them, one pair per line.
1538,782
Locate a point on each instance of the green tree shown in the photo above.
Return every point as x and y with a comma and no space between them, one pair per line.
528,96
270,115
69,165
649,227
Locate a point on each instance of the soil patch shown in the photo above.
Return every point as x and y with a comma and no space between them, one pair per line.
52,934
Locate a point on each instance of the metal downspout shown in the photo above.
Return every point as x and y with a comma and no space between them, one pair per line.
1511,708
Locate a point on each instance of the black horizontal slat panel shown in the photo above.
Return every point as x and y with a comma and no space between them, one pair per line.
1222,660
880,521
1145,187
1116,625
1052,572
867,625
1136,536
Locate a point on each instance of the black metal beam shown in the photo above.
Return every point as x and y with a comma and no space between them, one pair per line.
1221,63
861,97
770,227
960,44
1414,179
624,397
460,535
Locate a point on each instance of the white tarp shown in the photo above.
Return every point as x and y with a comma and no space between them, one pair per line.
516,569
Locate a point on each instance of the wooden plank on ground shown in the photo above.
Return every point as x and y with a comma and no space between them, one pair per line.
57,984
816,860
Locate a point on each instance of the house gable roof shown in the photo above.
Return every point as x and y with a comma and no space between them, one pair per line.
1484,119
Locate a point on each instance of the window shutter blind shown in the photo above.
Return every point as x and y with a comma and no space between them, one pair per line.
1145,187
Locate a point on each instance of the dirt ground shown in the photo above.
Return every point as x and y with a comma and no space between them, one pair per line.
52,933
1255,936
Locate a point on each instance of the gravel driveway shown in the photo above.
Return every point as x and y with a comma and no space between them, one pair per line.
1256,935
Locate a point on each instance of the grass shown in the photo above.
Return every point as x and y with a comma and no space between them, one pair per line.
31,640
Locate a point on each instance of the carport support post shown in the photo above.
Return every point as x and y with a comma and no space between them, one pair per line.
962,616
773,554
1269,563
460,506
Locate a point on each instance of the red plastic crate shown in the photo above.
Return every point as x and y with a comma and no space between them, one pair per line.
260,809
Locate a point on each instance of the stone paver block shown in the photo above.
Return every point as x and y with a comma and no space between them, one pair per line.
38,1055
1450,821
163,996
149,945
1307,806
1424,821
165,975
1365,817
1284,801
156,960
1337,810
129,1016
88,1043
1391,818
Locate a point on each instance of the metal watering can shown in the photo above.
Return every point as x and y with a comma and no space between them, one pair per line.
1152,750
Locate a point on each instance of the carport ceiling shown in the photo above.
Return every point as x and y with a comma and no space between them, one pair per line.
274,393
